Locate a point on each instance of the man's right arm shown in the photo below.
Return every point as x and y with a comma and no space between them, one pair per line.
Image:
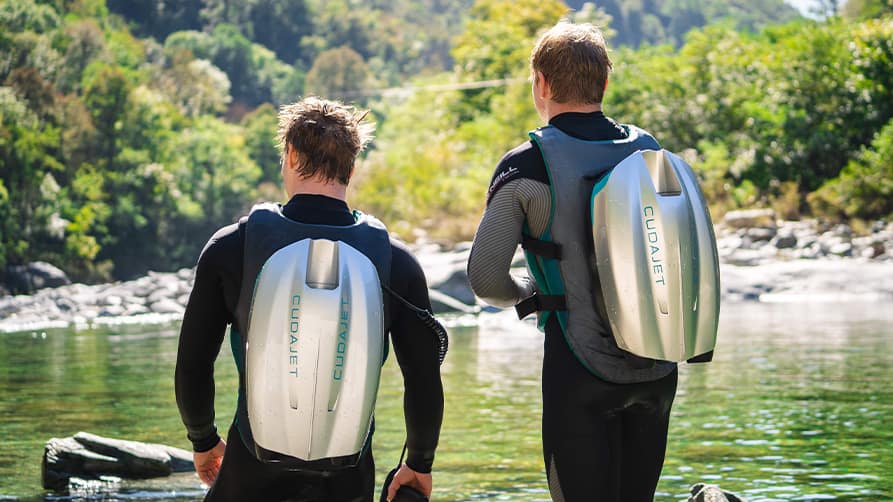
519,194
201,334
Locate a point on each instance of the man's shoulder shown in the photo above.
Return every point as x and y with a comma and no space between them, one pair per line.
226,244
522,162
640,132
403,261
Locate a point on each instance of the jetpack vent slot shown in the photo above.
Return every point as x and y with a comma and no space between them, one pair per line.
322,264
663,174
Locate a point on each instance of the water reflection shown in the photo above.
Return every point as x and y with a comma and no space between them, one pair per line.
797,405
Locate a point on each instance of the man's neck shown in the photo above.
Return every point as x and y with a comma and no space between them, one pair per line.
553,108
331,189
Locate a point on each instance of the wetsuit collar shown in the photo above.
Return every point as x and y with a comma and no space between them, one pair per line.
590,126
318,209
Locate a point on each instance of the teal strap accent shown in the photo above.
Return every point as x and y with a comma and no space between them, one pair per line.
238,350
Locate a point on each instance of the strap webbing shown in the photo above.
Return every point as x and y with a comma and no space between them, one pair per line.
539,303
540,247
706,357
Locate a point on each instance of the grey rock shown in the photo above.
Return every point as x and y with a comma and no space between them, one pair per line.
841,249
750,218
135,309
112,311
64,458
183,299
112,300
729,242
185,274
761,234
159,295
66,304
166,306
33,276
88,460
811,252
138,460
442,304
702,492
842,230
785,240
744,257
89,486
457,286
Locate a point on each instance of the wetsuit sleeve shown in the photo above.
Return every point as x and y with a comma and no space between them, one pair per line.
514,200
416,349
201,334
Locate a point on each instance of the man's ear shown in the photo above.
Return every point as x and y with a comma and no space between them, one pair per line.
605,88
545,90
292,156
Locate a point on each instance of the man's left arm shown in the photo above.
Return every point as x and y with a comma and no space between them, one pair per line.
416,348
201,335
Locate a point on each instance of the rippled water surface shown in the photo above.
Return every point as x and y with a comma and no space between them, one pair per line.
798,405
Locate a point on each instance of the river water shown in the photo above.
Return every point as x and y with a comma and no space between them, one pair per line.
797,405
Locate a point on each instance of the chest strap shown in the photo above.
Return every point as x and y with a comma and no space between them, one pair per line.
546,249
537,303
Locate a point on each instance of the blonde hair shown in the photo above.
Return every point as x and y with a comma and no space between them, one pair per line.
573,58
327,136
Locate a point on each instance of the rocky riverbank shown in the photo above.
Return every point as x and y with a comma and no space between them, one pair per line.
762,259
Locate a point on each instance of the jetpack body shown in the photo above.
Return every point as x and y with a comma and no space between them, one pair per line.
311,310
627,313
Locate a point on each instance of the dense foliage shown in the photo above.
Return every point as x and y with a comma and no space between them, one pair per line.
129,131
640,22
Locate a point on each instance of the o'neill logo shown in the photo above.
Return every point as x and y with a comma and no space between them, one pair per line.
500,179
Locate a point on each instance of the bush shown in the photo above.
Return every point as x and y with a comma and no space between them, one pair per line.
864,188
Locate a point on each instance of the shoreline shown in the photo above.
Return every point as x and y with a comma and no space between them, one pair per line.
761,260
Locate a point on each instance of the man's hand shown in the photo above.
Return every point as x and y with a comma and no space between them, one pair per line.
207,463
409,477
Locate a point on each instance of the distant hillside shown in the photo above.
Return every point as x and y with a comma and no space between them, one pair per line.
667,21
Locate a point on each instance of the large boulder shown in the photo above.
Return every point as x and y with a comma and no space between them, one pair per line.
91,457
457,286
26,279
445,304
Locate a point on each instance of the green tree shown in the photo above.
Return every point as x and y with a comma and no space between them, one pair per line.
106,92
867,9
260,141
27,15
864,188
26,146
337,73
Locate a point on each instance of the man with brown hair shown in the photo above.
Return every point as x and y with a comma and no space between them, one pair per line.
320,142
605,411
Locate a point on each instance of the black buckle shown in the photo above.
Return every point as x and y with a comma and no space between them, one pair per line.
542,248
538,303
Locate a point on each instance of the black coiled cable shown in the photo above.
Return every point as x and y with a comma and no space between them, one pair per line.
431,322
443,344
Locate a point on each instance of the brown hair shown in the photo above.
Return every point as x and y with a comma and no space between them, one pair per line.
327,136
573,58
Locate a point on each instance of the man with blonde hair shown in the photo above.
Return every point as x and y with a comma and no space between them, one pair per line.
605,411
320,142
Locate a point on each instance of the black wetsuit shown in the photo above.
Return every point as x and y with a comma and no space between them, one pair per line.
211,307
601,441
